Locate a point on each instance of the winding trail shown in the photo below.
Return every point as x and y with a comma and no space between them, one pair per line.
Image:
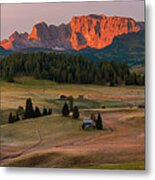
24,151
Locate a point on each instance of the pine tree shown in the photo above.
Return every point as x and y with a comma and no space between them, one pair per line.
99,122
50,111
10,118
65,110
37,73
10,77
112,83
13,118
76,113
45,112
44,75
37,112
17,117
29,112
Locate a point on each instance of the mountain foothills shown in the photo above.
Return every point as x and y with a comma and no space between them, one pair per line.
92,31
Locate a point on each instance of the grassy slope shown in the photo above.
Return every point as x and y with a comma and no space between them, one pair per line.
46,125
123,166
63,143
46,93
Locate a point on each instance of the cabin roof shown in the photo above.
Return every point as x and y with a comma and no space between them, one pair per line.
87,121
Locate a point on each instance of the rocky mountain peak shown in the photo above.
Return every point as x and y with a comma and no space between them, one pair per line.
95,31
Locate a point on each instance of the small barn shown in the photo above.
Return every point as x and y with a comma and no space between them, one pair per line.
63,97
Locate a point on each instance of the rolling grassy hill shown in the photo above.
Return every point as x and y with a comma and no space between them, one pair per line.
56,141
47,93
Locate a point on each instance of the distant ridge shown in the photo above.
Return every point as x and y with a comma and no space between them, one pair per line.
128,47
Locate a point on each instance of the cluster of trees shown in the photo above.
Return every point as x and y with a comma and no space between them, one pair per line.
66,68
13,118
66,111
28,112
135,79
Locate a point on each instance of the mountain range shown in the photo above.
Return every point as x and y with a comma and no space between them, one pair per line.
96,37
94,31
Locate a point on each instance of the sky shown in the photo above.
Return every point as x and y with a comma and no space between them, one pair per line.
21,17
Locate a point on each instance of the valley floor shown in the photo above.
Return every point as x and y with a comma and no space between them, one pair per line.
56,141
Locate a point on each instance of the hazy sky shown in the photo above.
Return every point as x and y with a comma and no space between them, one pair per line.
22,17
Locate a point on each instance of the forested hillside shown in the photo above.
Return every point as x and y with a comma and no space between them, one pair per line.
67,69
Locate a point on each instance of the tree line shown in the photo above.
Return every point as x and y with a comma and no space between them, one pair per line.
66,111
31,112
28,112
67,69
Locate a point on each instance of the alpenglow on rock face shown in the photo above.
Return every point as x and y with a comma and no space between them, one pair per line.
95,31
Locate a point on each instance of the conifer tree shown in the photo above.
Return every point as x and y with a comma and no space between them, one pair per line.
10,118
17,117
99,122
13,118
76,113
29,112
49,111
65,110
10,77
37,112
45,112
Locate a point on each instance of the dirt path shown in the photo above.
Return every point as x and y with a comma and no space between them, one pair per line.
23,151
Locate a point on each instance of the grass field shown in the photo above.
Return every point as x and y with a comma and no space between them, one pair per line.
47,93
56,141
